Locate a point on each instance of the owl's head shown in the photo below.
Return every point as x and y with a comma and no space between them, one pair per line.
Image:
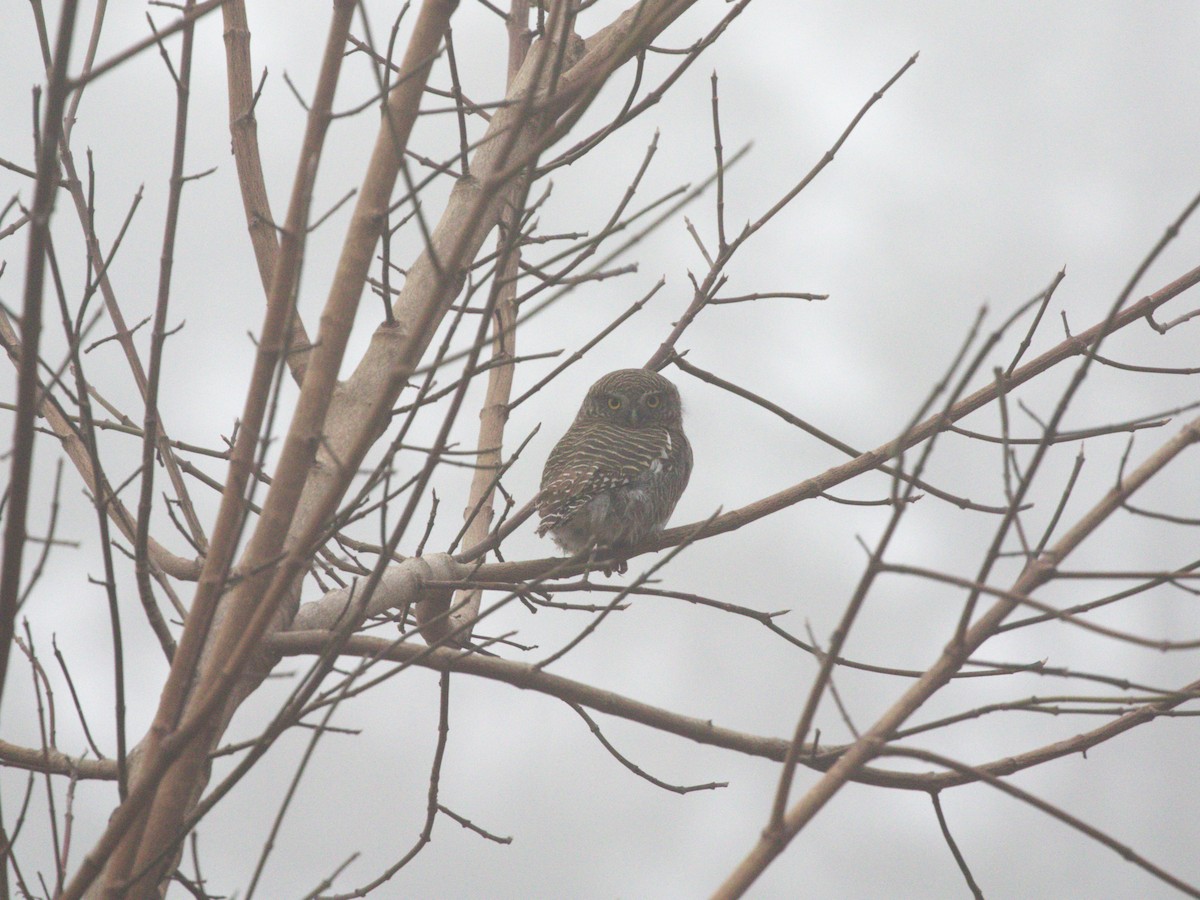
633,398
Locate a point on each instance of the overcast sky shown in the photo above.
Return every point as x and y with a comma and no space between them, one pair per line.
1028,137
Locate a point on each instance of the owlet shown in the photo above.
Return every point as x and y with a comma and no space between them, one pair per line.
615,476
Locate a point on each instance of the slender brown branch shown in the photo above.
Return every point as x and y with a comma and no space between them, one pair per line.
243,130
715,278
636,769
197,12
21,469
55,762
493,414
959,859
152,439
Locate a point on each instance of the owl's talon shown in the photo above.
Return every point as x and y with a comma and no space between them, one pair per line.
607,561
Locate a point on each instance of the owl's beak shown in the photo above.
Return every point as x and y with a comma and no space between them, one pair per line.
633,417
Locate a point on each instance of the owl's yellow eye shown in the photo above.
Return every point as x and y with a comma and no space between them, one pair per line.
614,402
652,401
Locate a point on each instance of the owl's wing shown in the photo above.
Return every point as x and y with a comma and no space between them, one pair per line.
593,458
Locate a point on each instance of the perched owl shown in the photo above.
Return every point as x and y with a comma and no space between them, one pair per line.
614,478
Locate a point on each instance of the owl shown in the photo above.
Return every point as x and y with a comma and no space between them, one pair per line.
614,478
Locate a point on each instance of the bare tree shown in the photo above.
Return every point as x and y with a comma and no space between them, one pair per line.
324,529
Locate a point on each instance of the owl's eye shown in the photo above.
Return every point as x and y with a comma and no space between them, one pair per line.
614,402
652,401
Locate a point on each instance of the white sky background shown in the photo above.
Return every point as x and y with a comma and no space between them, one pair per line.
1027,137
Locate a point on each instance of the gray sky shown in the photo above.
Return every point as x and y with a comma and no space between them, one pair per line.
1028,137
